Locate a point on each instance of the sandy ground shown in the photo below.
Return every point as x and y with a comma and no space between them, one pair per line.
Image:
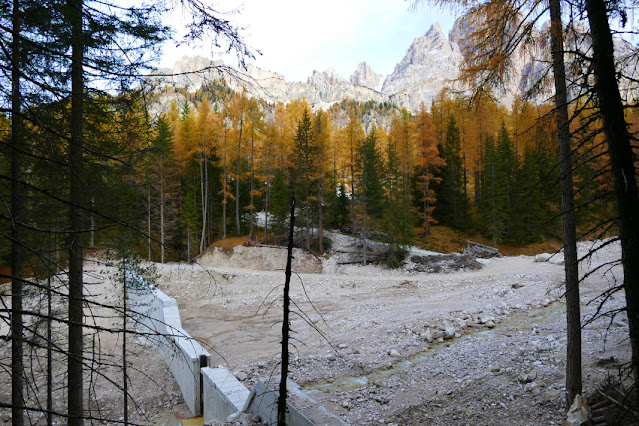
153,393
375,346
382,347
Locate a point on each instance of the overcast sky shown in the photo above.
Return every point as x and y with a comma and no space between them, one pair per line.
297,36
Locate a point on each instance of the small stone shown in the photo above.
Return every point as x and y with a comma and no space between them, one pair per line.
346,404
342,345
449,332
440,340
394,353
457,335
427,335
527,378
490,324
241,375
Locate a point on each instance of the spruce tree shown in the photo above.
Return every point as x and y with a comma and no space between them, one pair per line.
494,197
302,169
452,205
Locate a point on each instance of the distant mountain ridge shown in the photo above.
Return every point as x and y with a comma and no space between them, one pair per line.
430,64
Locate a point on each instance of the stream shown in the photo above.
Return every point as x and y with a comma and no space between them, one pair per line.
516,322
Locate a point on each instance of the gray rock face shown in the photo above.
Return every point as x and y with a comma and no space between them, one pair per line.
364,76
430,64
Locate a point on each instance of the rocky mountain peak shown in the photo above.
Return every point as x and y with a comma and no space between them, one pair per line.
430,62
364,76
325,78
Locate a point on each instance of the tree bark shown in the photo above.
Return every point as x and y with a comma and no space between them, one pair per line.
17,253
162,214
204,186
621,157
224,201
92,234
267,201
125,382
75,386
252,196
148,222
281,401
571,267
237,180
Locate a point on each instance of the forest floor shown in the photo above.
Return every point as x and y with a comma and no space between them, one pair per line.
475,346
400,347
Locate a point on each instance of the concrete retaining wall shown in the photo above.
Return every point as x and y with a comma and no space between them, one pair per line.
213,392
263,402
223,394
158,320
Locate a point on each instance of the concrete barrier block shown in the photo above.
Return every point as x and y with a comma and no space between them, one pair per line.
159,320
262,402
223,394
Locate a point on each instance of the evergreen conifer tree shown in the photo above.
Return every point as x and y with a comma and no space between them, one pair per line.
452,203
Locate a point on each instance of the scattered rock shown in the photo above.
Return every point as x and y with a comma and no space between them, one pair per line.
579,412
449,332
527,378
394,353
532,387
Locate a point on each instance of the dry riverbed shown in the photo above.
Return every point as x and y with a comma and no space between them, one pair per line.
377,346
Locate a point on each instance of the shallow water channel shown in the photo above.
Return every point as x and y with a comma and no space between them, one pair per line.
518,321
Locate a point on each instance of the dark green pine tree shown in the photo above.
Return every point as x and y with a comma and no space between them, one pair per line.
340,211
302,170
509,165
370,177
399,214
493,209
533,199
452,203
279,206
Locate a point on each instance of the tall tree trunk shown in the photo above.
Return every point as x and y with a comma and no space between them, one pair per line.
125,381
162,214
252,206
494,206
426,204
17,253
204,187
621,157
148,221
286,325
320,213
267,201
224,201
237,181
352,185
75,381
571,267
92,234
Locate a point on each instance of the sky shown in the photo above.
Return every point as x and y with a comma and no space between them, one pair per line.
296,37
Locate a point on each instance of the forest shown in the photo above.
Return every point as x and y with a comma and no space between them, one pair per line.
86,169
204,170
